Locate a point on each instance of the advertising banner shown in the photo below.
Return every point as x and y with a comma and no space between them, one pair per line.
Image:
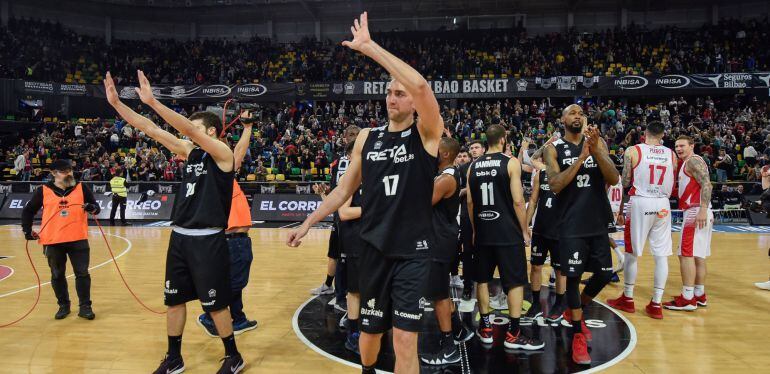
156,207
284,207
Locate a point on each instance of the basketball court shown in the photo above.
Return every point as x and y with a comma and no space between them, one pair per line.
296,332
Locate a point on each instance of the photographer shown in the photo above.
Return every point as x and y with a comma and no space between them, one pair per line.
65,204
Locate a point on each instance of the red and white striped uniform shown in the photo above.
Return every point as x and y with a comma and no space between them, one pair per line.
695,241
649,211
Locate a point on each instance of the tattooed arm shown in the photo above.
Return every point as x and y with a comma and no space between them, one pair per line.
628,165
700,172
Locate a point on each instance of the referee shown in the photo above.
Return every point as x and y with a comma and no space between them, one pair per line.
65,204
119,195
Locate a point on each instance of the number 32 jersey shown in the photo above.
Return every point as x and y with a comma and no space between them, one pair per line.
583,202
397,187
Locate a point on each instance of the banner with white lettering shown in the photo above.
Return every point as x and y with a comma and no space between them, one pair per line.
284,207
156,207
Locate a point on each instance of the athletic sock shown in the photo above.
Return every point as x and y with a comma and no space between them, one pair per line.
536,297
329,280
230,348
700,290
513,326
628,291
175,346
577,327
353,325
446,339
485,320
687,292
457,324
559,300
368,369
657,295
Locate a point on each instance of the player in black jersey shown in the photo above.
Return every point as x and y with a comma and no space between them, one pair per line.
394,165
198,260
446,206
338,168
579,168
498,216
350,244
475,150
545,240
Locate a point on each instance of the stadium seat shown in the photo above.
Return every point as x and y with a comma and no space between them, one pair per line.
280,177
313,171
326,171
270,177
296,171
251,178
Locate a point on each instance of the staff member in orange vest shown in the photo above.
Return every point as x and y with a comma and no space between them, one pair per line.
65,204
239,243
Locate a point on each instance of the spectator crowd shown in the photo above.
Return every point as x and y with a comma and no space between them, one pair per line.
44,51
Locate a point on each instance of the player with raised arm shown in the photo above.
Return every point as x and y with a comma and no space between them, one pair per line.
394,165
198,258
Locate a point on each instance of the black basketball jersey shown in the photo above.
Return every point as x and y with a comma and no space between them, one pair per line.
204,196
462,171
547,216
339,166
583,203
397,182
350,231
445,222
494,219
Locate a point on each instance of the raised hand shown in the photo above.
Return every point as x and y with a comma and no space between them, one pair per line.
361,37
109,89
144,90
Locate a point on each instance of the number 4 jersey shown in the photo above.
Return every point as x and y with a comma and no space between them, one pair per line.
397,187
494,219
583,202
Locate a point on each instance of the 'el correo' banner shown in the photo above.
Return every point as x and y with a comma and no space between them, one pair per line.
284,207
156,207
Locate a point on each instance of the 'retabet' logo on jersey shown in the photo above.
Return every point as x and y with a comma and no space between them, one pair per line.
397,153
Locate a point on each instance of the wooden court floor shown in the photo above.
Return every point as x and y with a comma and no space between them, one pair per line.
731,335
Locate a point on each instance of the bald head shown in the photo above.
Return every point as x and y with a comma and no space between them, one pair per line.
572,118
448,148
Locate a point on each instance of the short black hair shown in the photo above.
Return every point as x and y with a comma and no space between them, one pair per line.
451,145
655,128
494,134
208,119
479,142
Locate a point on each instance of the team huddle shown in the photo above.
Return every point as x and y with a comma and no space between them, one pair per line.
396,196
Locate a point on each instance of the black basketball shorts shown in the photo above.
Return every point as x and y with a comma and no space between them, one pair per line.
438,281
334,243
510,260
392,291
587,254
198,267
541,247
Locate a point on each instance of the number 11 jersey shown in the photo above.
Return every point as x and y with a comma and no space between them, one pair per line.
397,187
494,219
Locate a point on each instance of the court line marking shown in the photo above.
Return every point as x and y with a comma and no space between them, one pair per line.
302,338
622,356
631,343
9,275
125,251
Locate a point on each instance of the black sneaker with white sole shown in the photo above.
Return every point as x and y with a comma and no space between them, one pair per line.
446,356
534,311
556,313
170,365
231,365
521,341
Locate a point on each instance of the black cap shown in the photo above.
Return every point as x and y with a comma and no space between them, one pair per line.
61,165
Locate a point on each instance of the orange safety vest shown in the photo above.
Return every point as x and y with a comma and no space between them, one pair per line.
240,213
63,216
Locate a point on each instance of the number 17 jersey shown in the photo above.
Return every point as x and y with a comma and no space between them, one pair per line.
583,202
397,187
